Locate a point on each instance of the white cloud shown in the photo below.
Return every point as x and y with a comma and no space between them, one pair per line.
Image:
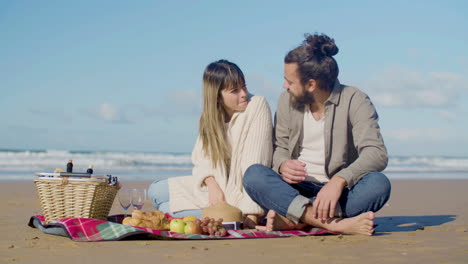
111,113
404,88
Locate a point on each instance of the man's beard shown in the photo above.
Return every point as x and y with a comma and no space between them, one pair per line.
306,98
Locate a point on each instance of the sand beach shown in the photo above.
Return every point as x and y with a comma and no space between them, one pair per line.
425,221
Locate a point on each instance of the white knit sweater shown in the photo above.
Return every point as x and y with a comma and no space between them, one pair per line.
251,143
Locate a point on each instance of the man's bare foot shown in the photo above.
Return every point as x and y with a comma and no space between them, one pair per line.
362,224
276,222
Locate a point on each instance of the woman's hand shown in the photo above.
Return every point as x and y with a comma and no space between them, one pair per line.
215,194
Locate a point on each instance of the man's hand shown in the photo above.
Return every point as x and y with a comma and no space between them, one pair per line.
325,203
293,171
215,194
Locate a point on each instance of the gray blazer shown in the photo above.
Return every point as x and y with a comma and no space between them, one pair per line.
353,143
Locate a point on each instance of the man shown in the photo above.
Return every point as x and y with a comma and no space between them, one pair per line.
328,149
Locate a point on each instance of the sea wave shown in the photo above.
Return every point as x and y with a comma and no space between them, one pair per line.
427,164
26,162
48,160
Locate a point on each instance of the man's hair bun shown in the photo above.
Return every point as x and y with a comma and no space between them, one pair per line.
314,58
320,45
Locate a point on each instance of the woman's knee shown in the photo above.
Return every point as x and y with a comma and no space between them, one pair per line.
158,192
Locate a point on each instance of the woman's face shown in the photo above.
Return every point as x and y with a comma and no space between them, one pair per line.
234,99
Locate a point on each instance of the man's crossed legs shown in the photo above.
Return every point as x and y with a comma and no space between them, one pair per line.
290,205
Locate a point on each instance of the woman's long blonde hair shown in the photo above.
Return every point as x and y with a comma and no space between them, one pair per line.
218,76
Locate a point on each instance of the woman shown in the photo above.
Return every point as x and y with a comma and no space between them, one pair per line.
235,132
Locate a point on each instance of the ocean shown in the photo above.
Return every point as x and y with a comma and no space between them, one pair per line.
21,165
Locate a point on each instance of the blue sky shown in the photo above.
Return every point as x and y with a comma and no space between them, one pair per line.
126,75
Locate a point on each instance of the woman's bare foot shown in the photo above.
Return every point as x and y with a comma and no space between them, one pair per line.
362,224
250,221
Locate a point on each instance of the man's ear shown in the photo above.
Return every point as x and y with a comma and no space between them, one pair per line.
311,85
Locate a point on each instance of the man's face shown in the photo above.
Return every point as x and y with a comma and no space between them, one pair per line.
293,85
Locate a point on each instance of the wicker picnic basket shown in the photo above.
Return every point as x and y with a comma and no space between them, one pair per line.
63,197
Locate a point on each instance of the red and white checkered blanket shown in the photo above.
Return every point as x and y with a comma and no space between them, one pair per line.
89,230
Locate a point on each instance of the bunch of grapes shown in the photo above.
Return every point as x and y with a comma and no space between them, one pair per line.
212,227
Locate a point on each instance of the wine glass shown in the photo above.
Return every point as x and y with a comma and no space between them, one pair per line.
138,198
125,198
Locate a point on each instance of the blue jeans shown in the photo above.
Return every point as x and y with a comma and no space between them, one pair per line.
268,189
158,194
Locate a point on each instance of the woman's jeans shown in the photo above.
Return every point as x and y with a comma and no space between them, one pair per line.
269,190
158,194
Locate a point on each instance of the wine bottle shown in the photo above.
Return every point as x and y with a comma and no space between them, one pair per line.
70,166
90,169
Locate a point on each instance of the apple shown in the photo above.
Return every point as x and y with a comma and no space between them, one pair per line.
177,225
193,228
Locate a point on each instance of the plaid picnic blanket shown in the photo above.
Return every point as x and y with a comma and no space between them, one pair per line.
90,230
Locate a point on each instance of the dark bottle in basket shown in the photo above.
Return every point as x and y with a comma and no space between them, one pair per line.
70,166
90,169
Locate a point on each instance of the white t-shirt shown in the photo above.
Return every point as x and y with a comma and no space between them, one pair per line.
312,150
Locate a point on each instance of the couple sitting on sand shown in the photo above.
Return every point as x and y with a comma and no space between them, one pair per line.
323,168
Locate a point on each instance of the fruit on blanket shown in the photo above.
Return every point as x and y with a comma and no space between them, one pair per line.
192,227
189,218
157,220
222,231
177,225
213,227
154,220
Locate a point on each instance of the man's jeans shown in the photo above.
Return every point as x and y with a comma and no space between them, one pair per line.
269,190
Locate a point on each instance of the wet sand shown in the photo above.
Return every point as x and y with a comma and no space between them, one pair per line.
425,221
